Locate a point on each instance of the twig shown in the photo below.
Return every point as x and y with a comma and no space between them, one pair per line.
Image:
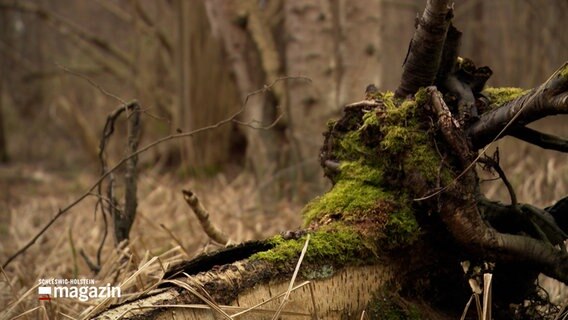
139,151
211,230
113,209
93,266
495,165
363,103
466,309
92,82
487,296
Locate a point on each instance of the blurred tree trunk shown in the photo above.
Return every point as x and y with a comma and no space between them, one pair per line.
207,101
336,44
182,116
231,23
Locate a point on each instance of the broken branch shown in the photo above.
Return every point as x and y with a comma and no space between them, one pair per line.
203,215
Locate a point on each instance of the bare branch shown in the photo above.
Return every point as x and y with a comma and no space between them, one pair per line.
541,139
148,26
123,221
91,82
550,98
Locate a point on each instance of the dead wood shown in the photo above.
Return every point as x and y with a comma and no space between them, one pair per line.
460,213
550,98
202,214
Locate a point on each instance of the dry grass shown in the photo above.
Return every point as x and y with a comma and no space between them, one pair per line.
165,232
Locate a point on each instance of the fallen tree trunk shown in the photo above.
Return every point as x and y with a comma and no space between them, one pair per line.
346,293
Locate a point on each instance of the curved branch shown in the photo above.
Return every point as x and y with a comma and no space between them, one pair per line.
541,139
495,165
550,98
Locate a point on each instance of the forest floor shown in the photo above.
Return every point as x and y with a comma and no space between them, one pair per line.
165,227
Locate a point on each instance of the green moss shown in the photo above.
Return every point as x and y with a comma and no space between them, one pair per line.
331,123
359,170
340,245
351,147
421,97
380,151
500,96
348,197
370,119
403,138
564,71
402,229
400,115
396,139
425,160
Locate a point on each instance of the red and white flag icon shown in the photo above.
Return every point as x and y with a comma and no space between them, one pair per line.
44,293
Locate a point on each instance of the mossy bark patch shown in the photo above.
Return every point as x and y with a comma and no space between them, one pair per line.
500,96
339,245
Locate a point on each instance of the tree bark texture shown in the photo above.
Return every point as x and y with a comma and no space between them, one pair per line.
425,51
243,285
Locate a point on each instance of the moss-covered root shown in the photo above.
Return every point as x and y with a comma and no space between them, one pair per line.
380,151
